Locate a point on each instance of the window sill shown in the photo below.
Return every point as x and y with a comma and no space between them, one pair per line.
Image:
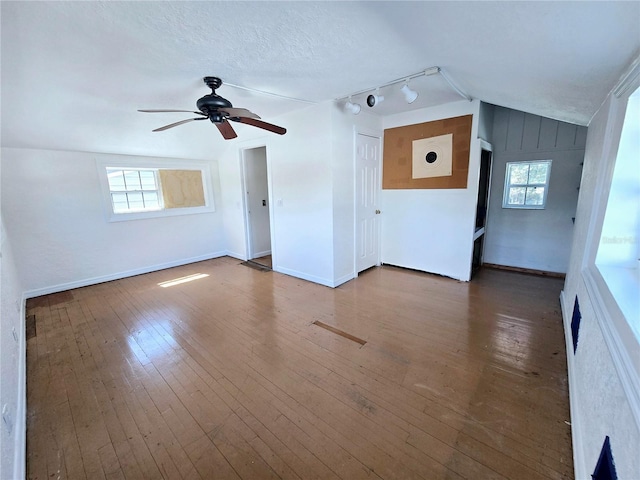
124,217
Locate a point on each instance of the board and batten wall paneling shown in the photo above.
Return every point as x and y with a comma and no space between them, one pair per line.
534,239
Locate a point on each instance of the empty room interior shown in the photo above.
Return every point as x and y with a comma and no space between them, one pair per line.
402,243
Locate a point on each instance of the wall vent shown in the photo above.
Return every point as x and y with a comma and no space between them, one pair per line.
575,324
605,469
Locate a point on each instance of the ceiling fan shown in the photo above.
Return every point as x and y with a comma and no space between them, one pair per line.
219,111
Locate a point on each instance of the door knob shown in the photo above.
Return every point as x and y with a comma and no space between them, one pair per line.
377,212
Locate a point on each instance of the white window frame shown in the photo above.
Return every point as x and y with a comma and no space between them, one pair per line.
122,162
508,185
621,340
126,191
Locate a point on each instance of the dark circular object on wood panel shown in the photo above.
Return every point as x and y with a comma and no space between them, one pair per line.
431,157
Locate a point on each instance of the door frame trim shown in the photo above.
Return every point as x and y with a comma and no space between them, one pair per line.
245,205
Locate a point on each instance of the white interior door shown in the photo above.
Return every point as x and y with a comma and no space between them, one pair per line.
257,197
368,171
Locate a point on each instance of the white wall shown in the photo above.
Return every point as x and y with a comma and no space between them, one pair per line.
232,199
432,230
299,168
534,239
601,380
12,366
53,210
311,183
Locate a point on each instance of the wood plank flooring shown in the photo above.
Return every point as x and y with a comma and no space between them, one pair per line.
227,377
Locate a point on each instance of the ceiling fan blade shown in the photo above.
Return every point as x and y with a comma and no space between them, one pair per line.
260,124
171,125
165,111
239,112
226,130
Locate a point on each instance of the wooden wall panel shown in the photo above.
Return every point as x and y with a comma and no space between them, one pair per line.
519,132
500,129
182,188
531,132
397,155
534,239
566,135
548,133
516,130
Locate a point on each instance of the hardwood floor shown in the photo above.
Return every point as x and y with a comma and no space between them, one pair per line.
227,376
266,261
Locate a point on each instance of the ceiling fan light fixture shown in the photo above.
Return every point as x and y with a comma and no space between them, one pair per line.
409,95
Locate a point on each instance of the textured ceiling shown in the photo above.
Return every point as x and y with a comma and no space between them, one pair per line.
74,73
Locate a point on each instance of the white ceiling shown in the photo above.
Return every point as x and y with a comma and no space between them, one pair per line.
74,73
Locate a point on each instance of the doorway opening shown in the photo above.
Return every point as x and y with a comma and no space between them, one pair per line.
257,211
482,207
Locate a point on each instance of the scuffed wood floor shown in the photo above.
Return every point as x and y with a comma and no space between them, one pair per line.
227,377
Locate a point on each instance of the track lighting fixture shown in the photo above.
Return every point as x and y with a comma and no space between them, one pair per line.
409,95
375,99
352,107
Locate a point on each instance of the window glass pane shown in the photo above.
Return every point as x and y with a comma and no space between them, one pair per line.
526,184
151,200
116,180
148,180
132,180
516,195
535,195
135,200
538,173
120,203
518,174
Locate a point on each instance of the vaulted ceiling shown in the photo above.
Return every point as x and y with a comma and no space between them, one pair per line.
74,73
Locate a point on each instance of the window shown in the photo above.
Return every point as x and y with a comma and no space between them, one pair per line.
139,187
611,262
618,253
133,190
526,184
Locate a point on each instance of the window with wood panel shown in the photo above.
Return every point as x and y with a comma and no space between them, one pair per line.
146,189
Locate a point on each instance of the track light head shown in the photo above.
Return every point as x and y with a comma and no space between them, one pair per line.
352,107
409,95
374,100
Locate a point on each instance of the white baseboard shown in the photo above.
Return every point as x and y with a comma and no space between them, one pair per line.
344,279
304,276
262,254
576,427
237,255
117,276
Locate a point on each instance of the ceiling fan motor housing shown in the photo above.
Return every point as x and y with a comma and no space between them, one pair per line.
211,103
